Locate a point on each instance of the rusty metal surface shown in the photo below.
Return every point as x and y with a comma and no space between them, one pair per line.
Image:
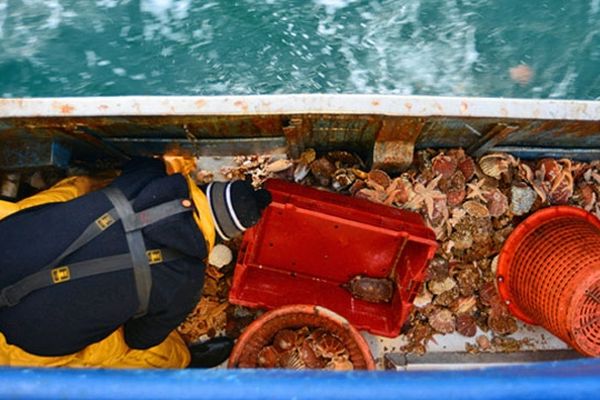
384,128
394,146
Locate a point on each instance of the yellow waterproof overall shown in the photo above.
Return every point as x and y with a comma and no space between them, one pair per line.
111,352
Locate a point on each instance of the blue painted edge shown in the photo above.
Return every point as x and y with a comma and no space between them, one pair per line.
578,379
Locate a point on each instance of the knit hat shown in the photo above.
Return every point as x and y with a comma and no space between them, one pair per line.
235,206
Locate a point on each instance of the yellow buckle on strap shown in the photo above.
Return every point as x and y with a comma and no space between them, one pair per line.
105,221
154,256
60,274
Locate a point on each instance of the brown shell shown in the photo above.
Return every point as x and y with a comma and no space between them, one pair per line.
374,290
501,323
343,158
468,280
439,286
447,298
308,156
587,196
285,340
340,364
438,269
497,203
357,186
322,169
549,167
377,196
443,321
483,342
464,305
467,167
327,345
562,189
463,239
455,197
291,360
444,165
342,178
476,209
278,166
488,294
268,357
379,177
308,356
466,325
359,173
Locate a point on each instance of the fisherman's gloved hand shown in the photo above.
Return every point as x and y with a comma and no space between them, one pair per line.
211,353
235,206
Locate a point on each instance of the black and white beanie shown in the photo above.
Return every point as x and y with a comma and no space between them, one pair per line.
235,206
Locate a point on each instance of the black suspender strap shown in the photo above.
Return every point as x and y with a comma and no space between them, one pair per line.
138,256
12,295
93,230
137,249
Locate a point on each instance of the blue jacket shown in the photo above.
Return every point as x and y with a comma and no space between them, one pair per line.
65,318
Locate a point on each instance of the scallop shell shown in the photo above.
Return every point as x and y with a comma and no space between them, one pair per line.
522,198
502,323
438,287
343,158
476,209
549,167
340,364
342,178
285,339
356,187
301,171
497,203
308,156
423,299
322,169
443,321
379,177
494,165
443,165
455,197
291,360
466,325
483,342
308,356
268,357
464,305
328,346
587,196
467,167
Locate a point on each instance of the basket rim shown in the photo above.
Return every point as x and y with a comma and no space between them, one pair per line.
512,242
308,309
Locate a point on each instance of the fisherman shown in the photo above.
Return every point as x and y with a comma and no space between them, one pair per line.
97,273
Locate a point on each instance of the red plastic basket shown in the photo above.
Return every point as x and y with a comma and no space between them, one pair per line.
549,274
310,242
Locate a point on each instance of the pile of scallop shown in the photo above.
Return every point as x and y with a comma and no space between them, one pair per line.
471,204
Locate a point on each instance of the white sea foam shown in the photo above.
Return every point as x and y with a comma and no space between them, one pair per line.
562,88
3,12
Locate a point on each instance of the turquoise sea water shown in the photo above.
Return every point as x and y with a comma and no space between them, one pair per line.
189,47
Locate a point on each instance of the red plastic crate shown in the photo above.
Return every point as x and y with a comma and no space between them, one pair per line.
309,242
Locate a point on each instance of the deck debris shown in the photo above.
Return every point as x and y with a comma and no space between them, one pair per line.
472,205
